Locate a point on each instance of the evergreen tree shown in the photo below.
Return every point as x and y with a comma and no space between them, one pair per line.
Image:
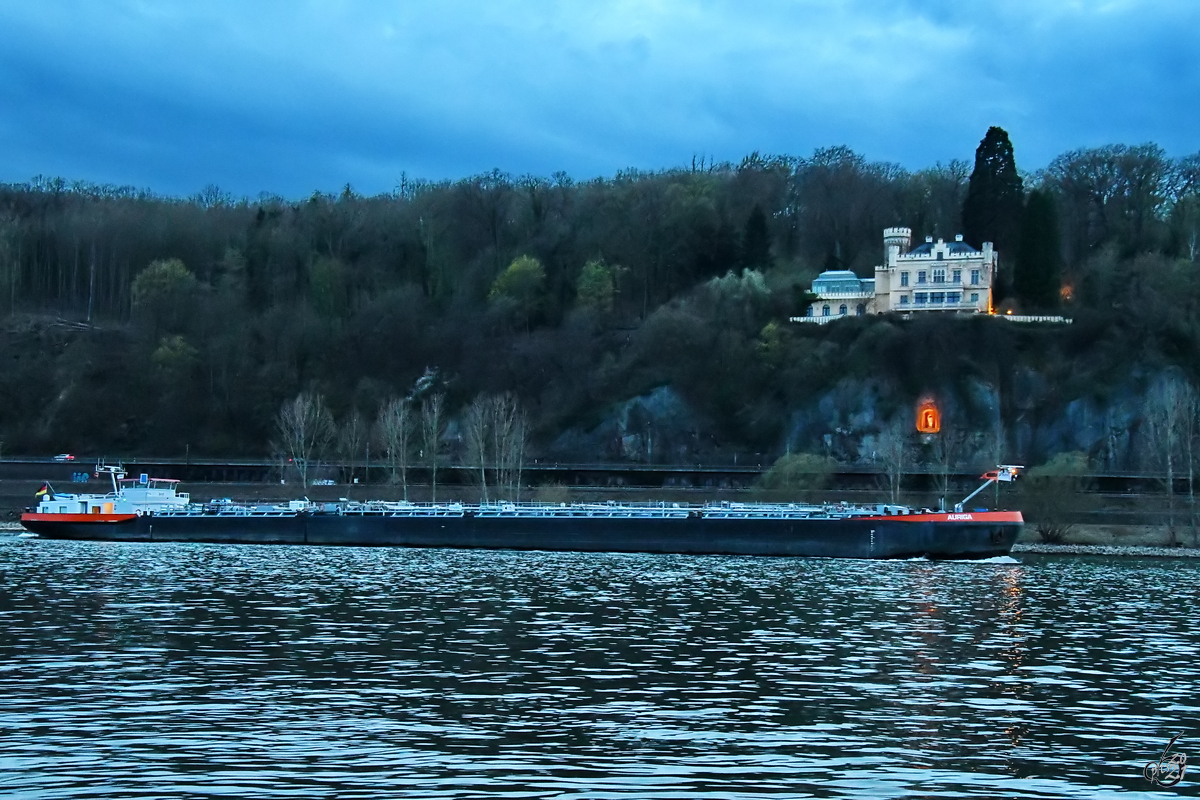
1037,276
995,196
756,241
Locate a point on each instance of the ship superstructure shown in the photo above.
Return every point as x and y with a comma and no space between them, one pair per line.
135,496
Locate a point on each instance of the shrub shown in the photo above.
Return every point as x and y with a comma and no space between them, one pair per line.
552,493
795,473
1049,491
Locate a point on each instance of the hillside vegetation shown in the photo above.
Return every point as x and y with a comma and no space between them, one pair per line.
642,316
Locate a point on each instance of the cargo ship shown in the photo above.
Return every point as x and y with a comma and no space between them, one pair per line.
145,509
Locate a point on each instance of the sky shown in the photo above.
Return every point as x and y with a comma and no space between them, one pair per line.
300,96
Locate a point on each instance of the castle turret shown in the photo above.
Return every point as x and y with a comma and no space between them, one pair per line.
900,238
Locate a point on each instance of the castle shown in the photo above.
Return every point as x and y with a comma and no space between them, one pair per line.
942,277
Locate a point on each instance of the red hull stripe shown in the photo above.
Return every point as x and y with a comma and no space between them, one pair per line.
77,517
966,516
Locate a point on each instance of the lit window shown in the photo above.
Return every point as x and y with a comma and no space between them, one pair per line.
825,311
842,310
904,279
921,276
939,275
974,277
957,276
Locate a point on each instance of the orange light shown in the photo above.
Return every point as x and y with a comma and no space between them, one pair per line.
1066,292
1009,312
929,419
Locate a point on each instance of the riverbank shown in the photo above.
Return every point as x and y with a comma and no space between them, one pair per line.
1106,550
1115,536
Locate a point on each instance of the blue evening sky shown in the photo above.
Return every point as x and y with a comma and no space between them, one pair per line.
291,97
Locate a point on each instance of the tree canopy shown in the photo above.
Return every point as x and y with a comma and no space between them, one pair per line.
1037,278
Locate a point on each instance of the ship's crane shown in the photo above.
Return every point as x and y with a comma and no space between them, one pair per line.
1003,473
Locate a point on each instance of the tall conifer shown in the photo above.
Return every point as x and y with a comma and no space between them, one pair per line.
995,196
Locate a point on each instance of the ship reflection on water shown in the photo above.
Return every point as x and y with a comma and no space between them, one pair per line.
310,672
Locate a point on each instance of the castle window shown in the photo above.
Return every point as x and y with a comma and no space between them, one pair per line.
903,299
921,276
904,279
808,311
974,277
974,297
940,256
860,309
957,276
953,298
939,275
842,310
825,311
937,297
921,298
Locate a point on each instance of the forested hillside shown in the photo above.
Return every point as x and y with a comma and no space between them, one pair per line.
642,316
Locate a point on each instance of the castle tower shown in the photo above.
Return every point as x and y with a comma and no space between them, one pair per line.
899,238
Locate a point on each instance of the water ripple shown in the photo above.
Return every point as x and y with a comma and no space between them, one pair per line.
223,671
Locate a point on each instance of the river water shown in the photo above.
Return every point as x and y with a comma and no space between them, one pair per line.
132,670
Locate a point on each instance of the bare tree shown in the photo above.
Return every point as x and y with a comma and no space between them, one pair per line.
395,430
496,432
508,434
895,451
946,452
1171,409
352,438
9,264
997,442
432,423
476,425
305,428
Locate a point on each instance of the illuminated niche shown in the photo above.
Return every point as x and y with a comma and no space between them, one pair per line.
929,418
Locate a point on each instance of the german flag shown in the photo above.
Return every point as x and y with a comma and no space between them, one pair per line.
45,491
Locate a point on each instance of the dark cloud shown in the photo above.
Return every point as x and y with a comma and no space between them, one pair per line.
295,97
